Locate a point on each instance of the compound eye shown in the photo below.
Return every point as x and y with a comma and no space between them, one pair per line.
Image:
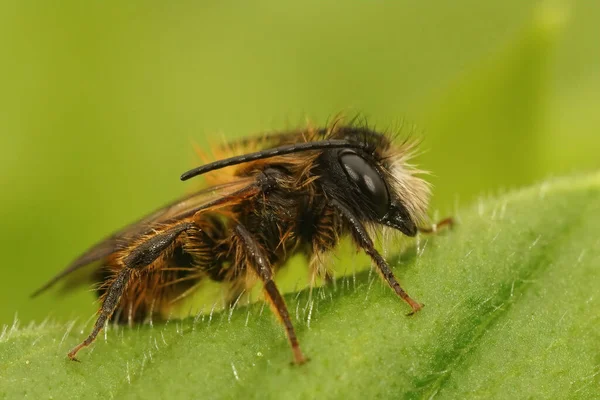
368,181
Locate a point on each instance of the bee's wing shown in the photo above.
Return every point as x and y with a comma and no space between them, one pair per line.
180,209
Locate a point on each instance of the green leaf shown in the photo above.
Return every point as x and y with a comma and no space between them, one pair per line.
512,310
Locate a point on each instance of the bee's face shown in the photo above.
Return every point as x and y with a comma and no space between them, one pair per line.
372,195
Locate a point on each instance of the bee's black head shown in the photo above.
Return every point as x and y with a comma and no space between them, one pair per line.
371,195
355,179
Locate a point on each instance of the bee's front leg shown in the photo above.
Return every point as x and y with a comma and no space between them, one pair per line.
446,222
362,238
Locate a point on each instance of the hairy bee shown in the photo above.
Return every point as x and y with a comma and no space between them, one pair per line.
302,192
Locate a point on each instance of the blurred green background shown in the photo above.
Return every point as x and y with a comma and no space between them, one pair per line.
101,101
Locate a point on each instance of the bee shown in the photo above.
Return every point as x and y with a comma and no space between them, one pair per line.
302,192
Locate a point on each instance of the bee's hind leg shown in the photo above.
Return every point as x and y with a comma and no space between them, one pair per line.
139,256
108,307
259,262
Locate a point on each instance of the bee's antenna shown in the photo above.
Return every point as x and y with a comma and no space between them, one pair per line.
268,153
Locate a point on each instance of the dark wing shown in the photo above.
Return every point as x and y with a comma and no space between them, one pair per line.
185,207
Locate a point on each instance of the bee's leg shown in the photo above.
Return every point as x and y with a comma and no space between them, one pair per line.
140,256
449,222
260,263
366,243
108,307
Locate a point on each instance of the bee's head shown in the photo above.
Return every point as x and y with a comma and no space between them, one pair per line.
373,194
379,184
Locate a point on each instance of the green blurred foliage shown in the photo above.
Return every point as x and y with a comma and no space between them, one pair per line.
100,102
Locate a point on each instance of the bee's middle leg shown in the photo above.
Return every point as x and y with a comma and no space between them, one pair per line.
138,257
260,263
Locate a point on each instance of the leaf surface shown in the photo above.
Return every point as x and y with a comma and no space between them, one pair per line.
512,310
